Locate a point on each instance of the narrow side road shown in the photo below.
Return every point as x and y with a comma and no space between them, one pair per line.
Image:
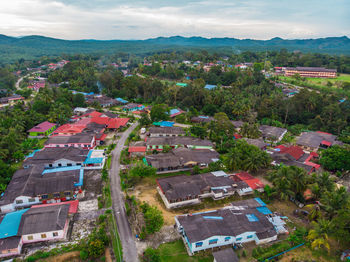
125,233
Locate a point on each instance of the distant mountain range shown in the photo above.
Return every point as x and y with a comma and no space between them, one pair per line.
29,47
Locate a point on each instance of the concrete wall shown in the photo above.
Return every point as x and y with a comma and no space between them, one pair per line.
49,235
26,203
223,241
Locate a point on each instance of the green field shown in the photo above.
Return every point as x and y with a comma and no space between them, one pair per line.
175,252
323,81
334,84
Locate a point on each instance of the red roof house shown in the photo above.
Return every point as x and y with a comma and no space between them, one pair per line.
115,123
73,205
253,182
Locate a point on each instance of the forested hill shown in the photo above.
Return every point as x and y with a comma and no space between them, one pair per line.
29,47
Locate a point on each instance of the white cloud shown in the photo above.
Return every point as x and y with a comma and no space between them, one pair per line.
108,19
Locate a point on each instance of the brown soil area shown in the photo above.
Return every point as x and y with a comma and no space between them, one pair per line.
287,208
73,256
108,255
149,194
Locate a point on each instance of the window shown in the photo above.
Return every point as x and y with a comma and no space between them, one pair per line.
43,235
57,146
213,241
30,237
44,196
78,164
56,195
85,145
199,244
19,201
250,236
67,193
69,164
227,238
50,165
238,239
65,145
60,164
31,200
55,234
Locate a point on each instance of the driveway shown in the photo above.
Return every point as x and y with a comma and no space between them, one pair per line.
125,233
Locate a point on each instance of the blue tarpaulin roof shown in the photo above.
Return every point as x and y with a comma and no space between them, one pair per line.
252,218
258,199
181,84
33,153
163,123
10,223
213,217
205,117
210,87
121,100
174,111
96,160
81,178
61,169
264,210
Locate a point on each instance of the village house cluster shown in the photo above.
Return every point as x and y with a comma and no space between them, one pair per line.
42,196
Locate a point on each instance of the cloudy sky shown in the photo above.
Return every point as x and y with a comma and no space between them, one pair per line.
136,19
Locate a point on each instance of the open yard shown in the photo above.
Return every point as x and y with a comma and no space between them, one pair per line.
176,252
319,82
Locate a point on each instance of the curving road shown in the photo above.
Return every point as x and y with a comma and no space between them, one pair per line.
125,233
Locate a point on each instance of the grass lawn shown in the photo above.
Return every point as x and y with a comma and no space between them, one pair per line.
176,252
319,82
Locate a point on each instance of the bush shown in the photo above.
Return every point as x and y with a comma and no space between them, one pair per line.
96,248
84,255
151,255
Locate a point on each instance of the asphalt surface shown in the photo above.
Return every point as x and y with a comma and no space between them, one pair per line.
126,236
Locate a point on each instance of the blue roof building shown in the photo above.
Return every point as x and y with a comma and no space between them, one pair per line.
210,87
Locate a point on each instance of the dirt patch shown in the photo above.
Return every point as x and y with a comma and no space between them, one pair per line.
73,256
287,208
108,255
148,193
92,184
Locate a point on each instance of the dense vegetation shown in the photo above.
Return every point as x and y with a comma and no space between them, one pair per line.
33,47
52,104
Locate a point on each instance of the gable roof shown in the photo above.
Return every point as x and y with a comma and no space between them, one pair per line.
175,130
34,181
179,140
73,139
117,122
135,149
43,219
256,142
314,139
234,220
183,186
44,126
49,155
272,132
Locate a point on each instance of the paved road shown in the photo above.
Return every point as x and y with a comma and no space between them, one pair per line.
125,233
19,81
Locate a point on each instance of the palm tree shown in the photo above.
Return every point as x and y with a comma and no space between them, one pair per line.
335,201
318,235
282,184
298,179
233,161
